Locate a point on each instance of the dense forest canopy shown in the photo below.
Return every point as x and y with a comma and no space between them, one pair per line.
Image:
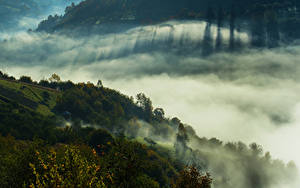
144,11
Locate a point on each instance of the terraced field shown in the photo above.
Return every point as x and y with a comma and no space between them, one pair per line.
39,99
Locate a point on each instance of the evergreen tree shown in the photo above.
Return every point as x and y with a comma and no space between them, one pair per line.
181,141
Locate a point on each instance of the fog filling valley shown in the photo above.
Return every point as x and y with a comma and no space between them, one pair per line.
250,96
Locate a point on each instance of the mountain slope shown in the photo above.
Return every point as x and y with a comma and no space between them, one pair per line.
30,96
112,123
267,22
91,12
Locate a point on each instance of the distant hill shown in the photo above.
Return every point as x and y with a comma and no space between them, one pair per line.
97,12
11,12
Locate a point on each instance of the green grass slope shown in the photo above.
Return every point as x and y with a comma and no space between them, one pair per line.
38,99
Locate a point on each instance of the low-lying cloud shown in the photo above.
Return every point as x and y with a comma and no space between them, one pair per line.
250,95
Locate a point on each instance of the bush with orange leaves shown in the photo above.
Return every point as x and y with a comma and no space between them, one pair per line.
68,169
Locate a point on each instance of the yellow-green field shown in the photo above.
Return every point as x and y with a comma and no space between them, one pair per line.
29,96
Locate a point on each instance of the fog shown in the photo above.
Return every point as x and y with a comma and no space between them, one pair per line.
250,95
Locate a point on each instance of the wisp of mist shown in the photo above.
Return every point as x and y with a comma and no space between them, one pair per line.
250,95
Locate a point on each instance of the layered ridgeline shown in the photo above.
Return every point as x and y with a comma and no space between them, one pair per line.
66,134
268,21
13,13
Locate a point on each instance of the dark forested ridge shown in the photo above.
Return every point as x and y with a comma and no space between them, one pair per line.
272,18
88,135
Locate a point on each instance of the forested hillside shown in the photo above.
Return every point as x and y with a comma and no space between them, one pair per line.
66,134
258,17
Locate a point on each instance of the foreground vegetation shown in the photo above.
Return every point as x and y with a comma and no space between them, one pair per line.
91,136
